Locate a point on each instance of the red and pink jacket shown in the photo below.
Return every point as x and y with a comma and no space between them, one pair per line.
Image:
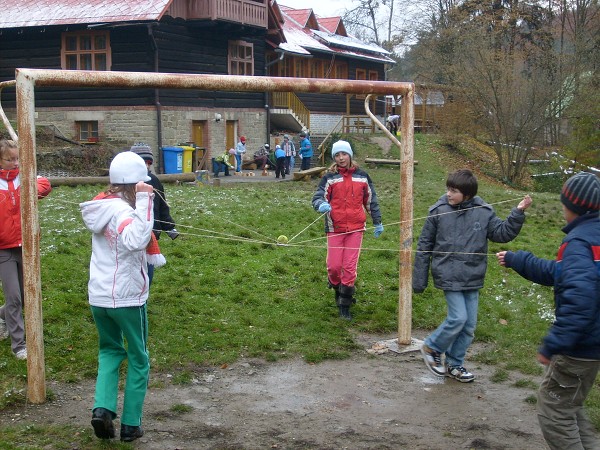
351,194
10,206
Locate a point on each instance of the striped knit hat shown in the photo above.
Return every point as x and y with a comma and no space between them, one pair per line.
581,193
144,150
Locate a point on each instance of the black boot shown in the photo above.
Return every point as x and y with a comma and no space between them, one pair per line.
130,433
102,421
336,288
346,300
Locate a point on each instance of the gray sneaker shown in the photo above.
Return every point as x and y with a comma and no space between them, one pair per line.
459,373
3,330
433,361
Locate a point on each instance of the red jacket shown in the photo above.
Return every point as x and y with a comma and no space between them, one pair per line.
10,206
351,194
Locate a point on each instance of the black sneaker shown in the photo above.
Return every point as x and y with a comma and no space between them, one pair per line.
433,361
130,433
459,373
102,421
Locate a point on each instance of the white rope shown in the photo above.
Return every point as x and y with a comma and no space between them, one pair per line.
306,228
303,244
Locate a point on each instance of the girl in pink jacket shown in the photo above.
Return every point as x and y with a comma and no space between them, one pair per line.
346,195
11,241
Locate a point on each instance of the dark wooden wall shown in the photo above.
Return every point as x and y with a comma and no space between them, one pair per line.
336,103
192,47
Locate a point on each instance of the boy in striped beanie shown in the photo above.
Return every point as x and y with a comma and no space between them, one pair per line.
571,349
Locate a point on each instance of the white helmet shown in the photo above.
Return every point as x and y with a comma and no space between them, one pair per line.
128,168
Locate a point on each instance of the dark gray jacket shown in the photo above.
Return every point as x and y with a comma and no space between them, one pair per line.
454,241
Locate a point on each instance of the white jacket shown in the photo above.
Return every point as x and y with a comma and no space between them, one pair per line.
118,267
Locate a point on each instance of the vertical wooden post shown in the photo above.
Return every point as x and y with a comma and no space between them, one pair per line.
406,217
36,377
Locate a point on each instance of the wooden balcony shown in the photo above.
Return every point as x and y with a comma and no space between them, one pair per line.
246,12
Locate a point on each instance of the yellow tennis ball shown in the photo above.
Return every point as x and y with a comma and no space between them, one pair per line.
282,239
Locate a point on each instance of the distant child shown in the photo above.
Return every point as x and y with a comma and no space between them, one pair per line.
571,349
162,212
222,163
261,157
240,150
121,220
454,242
279,162
306,151
11,240
392,123
290,152
346,194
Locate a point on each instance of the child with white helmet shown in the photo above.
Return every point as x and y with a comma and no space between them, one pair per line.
346,194
121,220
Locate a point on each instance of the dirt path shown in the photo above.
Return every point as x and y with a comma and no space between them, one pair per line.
386,401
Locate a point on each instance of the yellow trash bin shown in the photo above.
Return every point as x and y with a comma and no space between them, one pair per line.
188,158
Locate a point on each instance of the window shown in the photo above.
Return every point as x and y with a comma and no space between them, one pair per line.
316,68
89,50
341,71
286,69
373,75
240,58
87,131
361,74
300,68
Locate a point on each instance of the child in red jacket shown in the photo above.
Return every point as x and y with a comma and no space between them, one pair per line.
346,193
11,241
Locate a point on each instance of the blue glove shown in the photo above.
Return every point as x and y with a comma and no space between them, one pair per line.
378,230
324,207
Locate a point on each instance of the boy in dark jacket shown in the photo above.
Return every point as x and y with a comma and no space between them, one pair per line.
571,350
454,241
162,213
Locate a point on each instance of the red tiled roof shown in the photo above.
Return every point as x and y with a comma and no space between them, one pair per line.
301,39
299,15
329,24
28,13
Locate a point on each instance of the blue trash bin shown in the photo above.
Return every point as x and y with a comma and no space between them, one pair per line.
173,159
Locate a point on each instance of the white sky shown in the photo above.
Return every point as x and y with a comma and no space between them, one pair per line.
323,8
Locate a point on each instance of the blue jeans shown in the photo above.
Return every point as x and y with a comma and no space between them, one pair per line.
455,334
238,163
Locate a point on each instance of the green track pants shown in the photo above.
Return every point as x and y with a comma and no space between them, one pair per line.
114,324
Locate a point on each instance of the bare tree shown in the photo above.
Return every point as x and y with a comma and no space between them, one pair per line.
577,103
380,22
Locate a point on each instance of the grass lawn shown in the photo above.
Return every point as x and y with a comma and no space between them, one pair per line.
229,291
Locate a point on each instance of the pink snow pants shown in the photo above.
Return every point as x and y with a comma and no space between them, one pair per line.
343,251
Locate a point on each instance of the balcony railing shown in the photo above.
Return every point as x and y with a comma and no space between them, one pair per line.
247,12
289,100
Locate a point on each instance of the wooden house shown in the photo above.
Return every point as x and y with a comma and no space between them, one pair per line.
302,44
171,36
237,37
